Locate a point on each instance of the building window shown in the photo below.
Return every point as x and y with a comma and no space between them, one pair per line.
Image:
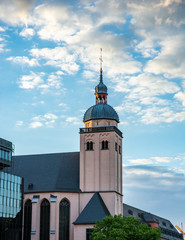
164,224
119,149
64,220
130,212
88,233
89,146
104,145
116,147
44,220
27,220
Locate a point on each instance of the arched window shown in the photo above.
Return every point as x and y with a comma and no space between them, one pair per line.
89,145
44,220
64,211
27,220
105,145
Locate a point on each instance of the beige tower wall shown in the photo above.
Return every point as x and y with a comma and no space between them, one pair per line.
101,170
101,122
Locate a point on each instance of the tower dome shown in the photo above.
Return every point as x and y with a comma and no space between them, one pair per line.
101,87
101,111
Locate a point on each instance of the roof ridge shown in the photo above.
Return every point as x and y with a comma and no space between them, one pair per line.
146,212
36,154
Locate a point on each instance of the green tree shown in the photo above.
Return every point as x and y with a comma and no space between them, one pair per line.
121,228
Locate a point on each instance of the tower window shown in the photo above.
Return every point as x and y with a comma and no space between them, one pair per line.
119,149
89,146
105,145
116,147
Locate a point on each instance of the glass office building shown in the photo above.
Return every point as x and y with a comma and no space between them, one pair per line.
11,195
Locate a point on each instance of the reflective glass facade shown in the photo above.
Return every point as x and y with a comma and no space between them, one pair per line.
11,196
6,155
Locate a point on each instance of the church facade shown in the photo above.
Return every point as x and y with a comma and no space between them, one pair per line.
66,193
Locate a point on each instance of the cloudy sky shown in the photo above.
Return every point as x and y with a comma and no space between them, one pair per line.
49,66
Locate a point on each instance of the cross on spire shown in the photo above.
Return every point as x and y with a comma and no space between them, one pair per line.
101,70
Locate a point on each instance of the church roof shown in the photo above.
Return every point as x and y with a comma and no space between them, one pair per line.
94,211
48,172
101,88
101,111
169,232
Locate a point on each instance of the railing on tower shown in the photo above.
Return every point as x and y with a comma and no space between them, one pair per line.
101,129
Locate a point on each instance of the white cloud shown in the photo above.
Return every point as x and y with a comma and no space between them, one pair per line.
73,120
3,40
59,73
149,97
57,57
53,20
181,97
41,81
19,123
89,74
47,120
31,81
156,115
54,81
27,32
37,103
155,32
153,184
35,124
50,116
15,12
147,84
62,104
156,160
141,161
2,29
170,61
2,49
155,177
24,60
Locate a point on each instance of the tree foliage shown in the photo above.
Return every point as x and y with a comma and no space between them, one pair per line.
121,228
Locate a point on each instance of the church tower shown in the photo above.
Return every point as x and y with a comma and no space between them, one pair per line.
101,145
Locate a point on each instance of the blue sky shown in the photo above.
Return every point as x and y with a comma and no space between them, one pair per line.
49,65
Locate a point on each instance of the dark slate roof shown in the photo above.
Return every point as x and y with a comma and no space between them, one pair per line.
94,211
148,217
49,172
101,88
101,111
169,232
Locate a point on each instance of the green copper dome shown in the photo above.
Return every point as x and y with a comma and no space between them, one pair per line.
101,111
